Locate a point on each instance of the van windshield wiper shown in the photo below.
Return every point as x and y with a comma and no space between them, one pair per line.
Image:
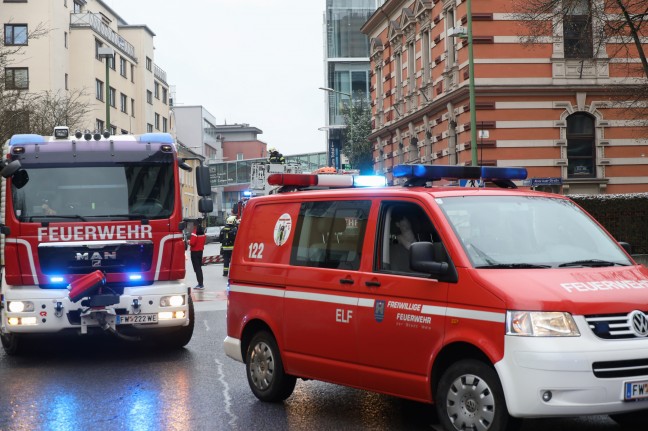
514,265
591,263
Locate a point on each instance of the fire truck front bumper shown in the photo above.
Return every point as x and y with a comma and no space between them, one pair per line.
29,309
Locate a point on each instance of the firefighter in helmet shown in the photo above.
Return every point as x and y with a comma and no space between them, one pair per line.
275,156
227,237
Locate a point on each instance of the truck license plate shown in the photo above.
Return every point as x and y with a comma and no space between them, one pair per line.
636,390
129,319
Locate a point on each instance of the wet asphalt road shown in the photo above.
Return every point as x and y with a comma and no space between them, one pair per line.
106,384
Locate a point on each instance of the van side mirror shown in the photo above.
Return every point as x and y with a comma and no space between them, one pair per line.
10,168
203,182
422,259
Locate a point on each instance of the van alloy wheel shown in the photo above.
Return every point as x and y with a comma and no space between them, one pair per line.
262,366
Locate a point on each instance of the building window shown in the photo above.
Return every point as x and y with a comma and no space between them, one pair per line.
15,34
149,97
149,127
97,46
99,91
149,64
133,108
164,95
451,41
77,7
122,66
157,90
16,78
164,124
100,125
111,62
399,76
240,156
132,73
157,121
66,81
577,30
112,93
581,155
65,39
113,130
425,56
123,103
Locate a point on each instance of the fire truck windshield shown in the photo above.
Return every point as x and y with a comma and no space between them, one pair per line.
132,191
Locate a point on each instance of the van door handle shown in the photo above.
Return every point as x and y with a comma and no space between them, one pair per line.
372,283
346,281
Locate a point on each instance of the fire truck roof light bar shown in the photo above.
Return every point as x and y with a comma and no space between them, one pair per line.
160,138
26,139
326,180
436,172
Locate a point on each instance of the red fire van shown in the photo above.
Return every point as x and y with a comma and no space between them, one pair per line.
492,303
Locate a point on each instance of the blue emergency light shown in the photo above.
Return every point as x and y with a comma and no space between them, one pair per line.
26,139
436,172
159,138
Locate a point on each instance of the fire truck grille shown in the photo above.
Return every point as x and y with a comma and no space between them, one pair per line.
615,369
612,326
117,257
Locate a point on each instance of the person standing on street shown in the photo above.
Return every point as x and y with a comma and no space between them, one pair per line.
227,237
197,246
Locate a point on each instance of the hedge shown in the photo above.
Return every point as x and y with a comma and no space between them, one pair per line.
625,216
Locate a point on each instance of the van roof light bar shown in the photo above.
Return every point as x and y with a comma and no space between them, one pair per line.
420,174
297,181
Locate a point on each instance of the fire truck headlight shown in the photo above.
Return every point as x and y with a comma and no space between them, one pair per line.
21,306
172,301
541,324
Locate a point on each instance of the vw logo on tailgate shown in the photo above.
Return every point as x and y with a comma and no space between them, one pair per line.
639,323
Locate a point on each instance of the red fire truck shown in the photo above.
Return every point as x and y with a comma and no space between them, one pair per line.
92,237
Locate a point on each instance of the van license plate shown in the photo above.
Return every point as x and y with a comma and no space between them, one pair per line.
129,319
636,390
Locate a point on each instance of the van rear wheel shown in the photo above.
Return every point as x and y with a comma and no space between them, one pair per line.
470,396
264,369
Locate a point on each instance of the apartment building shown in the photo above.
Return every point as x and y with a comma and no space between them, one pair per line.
548,107
70,57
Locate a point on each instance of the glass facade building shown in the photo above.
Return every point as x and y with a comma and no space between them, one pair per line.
346,63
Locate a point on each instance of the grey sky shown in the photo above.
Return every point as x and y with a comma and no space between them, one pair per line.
246,61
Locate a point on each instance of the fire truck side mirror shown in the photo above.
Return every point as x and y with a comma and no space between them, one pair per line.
20,179
202,181
5,230
205,205
10,168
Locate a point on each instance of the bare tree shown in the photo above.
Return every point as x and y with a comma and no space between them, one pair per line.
24,111
593,29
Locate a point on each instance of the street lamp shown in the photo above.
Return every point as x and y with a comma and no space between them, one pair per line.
332,158
106,53
467,33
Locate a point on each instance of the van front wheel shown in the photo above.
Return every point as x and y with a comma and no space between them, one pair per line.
265,372
470,396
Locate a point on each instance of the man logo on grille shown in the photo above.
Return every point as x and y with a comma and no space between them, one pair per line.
639,323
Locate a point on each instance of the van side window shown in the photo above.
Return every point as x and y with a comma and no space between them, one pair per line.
400,225
329,234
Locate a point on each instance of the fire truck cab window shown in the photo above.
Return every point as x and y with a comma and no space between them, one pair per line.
96,192
330,234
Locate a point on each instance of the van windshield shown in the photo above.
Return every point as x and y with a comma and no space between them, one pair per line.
529,232
130,191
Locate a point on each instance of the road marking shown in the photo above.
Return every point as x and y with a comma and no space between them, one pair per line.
226,395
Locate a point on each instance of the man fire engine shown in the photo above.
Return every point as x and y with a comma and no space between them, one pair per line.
92,230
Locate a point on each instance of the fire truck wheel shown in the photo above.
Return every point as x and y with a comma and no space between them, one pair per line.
265,372
11,344
470,396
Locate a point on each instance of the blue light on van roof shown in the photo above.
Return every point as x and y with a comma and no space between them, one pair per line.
26,139
436,172
369,181
159,138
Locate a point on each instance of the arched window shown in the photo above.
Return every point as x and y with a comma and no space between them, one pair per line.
581,156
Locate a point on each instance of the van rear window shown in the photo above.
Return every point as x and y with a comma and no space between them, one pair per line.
329,234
